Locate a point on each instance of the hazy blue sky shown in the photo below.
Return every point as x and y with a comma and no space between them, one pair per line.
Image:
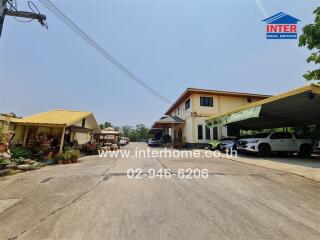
171,45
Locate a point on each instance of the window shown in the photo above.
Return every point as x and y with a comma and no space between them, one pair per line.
187,104
207,133
178,111
287,135
261,135
200,134
215,133
300,136
206,101
281,135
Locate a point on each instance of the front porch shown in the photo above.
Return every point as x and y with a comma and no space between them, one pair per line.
43,140
169,126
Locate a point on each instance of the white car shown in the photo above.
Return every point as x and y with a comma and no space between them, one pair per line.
122,142
266,143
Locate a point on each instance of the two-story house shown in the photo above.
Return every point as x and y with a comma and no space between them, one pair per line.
185,119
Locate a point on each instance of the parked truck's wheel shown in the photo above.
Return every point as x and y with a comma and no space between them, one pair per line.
305,151
264,150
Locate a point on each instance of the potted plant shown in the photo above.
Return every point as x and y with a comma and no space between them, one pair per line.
75,154
67,157
60,158
19,152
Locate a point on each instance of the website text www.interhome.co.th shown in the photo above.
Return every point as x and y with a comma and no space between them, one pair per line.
164,153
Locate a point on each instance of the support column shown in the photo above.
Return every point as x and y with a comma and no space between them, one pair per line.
25,136
62,140
172,133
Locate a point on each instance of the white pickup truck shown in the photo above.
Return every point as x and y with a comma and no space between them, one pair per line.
266,143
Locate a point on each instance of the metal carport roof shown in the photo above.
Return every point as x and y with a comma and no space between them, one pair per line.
298,107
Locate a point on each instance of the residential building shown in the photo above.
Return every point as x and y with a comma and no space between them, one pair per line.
60,126
185,119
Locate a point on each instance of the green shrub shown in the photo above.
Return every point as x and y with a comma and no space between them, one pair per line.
4,161
166,139
2,137
19,152
72,154
60,156
68,155
75,154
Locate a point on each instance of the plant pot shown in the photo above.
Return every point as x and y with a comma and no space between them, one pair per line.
60,161
74,160
65,161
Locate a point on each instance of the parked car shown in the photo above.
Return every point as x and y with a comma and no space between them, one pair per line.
266,143
153,142
122,142
230,143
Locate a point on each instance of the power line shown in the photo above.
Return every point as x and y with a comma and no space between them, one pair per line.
67,21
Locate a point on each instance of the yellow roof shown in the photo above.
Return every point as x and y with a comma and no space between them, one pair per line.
55,117
311,87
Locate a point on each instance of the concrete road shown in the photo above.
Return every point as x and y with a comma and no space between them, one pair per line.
94,199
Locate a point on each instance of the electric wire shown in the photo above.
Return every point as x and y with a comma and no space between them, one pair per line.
67,21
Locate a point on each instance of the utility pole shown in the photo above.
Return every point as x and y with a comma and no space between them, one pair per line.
15,13
2,13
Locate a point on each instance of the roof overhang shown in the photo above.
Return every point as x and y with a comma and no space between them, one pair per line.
155,130
167,121
189,91
58,118
298,107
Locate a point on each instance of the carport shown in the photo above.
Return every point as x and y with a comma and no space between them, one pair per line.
298,107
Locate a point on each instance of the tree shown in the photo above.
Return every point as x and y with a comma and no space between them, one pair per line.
126,130
139,133
143,132
101,126
107,124
311,39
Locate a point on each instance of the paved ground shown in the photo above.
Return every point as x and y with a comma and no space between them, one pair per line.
308,168
94,199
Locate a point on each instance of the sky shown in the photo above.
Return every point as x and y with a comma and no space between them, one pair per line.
170,45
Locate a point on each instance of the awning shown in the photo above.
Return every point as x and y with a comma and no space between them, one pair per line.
298,107
235,117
